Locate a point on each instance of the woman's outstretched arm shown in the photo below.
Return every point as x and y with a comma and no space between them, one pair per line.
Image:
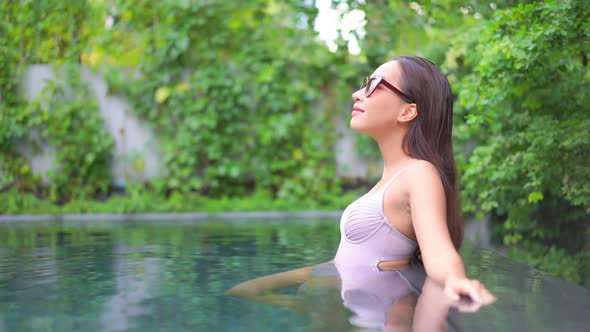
262,289
267,284
441,260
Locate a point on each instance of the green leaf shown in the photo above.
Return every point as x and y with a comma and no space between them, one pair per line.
535,197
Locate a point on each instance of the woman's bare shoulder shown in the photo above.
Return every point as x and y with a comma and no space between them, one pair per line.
420,167
422,173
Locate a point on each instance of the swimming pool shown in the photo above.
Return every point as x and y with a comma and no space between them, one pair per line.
171,276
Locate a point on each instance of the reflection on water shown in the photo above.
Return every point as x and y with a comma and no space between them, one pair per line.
374,299
163,276
136,282
374,296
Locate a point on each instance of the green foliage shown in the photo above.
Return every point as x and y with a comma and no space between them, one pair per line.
232,110
71,122
524,107
65,115
528,67
521,79
139,200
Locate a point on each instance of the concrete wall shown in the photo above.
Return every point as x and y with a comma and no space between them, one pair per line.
135,143
137,156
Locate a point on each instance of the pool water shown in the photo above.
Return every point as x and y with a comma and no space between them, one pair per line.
171,276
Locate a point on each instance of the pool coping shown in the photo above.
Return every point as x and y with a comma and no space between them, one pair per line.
471,230
177,216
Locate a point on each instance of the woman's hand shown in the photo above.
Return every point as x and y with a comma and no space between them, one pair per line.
467,294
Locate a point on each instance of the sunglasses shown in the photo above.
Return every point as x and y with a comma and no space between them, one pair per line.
371,83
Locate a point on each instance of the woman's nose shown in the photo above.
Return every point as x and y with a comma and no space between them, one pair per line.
357,95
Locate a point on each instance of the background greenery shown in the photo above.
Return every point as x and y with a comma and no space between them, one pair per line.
230,89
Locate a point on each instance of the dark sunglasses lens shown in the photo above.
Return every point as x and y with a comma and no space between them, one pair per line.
364,84
371,86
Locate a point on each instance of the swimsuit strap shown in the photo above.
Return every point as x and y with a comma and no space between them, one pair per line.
393,179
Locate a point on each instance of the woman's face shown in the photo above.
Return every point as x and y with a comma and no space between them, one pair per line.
379,112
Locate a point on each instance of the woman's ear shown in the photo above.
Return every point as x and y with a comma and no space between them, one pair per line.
409,113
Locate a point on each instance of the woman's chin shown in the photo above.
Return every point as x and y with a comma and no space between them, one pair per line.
358,127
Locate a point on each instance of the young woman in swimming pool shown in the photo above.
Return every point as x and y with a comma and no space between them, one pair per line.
406,106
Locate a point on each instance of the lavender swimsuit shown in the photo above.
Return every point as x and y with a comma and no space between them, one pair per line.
366,237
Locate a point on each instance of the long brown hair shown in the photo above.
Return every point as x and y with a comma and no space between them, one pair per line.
429,136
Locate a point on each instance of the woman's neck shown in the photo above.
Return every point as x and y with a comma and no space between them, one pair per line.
392,153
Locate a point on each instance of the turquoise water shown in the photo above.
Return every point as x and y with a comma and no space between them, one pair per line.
167,276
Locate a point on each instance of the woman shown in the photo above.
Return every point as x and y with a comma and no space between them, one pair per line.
412,213
406,106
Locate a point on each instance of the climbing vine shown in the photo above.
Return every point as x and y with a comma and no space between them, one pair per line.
64,116
235,94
